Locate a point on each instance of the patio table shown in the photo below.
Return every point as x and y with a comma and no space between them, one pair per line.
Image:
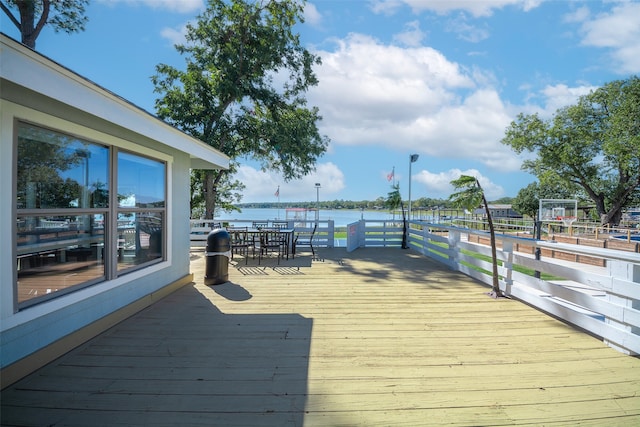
286,232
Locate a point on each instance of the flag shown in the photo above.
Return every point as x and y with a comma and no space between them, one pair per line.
277,193
391,175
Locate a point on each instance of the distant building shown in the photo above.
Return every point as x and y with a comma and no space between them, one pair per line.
499,211
94,219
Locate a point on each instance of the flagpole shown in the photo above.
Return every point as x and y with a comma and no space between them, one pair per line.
278,193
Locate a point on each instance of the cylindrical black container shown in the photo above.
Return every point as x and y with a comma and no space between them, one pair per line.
217,254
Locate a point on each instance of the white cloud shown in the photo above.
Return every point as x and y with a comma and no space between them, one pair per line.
476,8
413,99
311,15
561,95
581,14
412,36
466,31
548,100
385,7
175,36
438,184
619,31
262,186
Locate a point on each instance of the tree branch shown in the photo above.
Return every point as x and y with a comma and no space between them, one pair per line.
10,15
46,6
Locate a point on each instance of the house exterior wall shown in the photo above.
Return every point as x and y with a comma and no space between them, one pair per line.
28,330
40,92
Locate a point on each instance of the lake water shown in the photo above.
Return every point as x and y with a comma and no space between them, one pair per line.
341,217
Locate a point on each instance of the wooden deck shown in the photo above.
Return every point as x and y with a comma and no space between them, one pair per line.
378,337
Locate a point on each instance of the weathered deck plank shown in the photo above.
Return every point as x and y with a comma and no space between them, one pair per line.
376,337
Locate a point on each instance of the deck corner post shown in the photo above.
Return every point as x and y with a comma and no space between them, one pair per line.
454,246
627,271
507,250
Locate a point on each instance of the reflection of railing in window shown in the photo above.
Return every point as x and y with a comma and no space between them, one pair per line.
56,253
150,224
46,223
52,238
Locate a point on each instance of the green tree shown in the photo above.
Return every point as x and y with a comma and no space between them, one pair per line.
243,91
527,202
593,145
394,199
33,15
503,201
393,202
470,196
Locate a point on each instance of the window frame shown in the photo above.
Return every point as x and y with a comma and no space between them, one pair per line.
114,145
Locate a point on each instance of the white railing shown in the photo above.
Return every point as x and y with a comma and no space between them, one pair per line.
374,233
324,236
600,294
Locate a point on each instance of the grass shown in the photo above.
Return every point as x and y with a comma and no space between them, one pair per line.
518,268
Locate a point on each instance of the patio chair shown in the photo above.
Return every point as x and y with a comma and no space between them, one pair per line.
271,241
279,224
260,224
240,242
304,238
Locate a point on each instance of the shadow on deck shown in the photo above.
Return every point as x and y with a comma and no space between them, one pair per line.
373,337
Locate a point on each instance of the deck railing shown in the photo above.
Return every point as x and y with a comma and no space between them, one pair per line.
324,236
598,290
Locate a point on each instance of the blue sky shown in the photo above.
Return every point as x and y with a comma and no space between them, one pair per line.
438,78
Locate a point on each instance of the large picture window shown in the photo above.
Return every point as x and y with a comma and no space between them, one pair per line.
72,229
141,205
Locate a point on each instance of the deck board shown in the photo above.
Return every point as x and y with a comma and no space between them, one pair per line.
376,337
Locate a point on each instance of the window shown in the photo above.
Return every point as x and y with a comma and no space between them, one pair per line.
72,229
141,203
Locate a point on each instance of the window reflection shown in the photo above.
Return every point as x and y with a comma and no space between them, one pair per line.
141,182
139,238
66,234
58,252
60,171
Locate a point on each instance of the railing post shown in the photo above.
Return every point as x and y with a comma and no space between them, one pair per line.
626,271
331,233
425,239
454,239
507,249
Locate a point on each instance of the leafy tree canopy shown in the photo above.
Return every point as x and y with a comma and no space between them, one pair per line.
593,146
33,15
527,202
243,90
394,199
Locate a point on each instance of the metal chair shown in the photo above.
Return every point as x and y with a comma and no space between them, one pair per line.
304,238
240,242
271,241
260,224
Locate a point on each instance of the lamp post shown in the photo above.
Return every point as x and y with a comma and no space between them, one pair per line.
412,159
317,201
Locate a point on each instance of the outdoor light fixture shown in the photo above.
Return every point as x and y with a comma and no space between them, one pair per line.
412,158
